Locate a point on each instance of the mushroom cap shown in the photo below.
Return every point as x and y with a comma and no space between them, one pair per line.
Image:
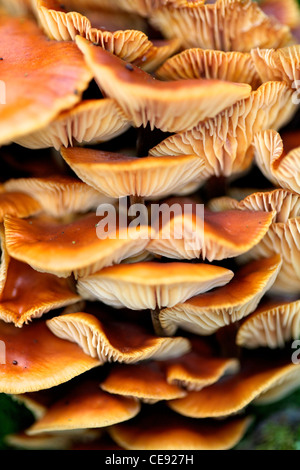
85,407
210,26
205,313
90,121
37,360
224,142
206,234
117,175
235,392
280,64
133,380
17,305
113,340
272,325
16,203
198,369
281,168
58,196
62,248
169,106
198,63
130,45
151,285
161,429
38,92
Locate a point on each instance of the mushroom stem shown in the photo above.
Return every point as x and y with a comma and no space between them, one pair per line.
156,323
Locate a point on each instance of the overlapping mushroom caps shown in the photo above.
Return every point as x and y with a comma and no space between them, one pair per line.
39,78
130,45
90,301
168,106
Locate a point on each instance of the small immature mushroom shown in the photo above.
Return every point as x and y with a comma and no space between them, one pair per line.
117,175
189,233
281,168
113,340
205,63
90,121
38,360
85,407
58,196
272,325
162,429
224,142
19,306
151,285
130,45
133,380
42,77
169,106
235,392
48,245
211,26
204,314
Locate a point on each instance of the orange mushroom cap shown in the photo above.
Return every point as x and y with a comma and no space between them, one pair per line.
211,26
40,78
90,121
62,248
115,340
206,313
85,407
148,285
37,360
169,106
117,175
161,429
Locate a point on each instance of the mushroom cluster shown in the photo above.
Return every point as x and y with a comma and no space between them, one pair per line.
149,219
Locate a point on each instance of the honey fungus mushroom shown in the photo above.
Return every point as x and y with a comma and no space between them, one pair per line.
169,106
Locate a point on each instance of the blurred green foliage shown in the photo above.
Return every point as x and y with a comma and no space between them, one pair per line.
14,417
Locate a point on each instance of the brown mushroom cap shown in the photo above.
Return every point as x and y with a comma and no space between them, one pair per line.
161,429
272,325
90,121
17,305
206,313
85,407
234,392
148,285
113,340
62,248
210,26
224,142
233,66
38,92
58,196
281,168
169,106
37,360
134,380
117,175
206,234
